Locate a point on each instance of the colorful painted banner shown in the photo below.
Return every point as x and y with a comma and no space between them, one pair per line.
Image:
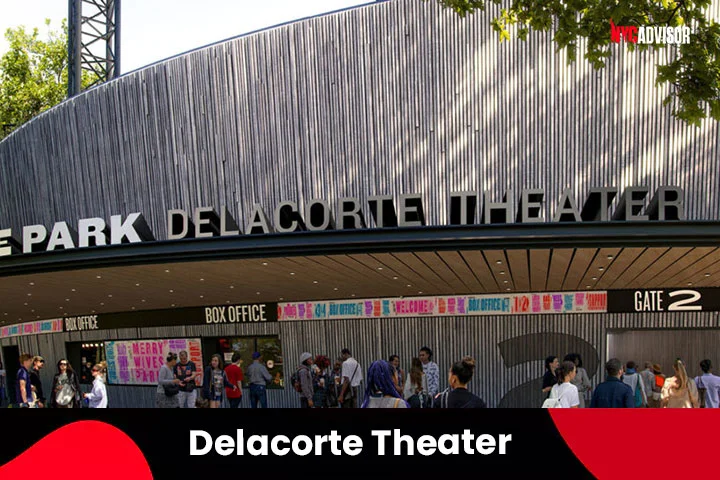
54,325
138,362
465,305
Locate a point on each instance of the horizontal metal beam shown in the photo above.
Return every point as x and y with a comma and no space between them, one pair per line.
434,238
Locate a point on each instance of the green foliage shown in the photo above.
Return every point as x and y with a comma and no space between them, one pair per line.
33,75
693,74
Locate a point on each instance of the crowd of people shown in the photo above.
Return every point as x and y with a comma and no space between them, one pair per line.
567,385
320,383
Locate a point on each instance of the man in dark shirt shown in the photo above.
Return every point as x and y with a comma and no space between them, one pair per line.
38,364
613,393
24,387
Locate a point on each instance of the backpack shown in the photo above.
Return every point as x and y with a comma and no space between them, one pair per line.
638,394
551,401
295,381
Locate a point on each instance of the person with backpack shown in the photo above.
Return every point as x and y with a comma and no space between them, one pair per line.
564,394
416,388
458,396
633,380
303,382
351,378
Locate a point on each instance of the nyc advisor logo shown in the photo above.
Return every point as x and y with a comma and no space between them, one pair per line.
649,35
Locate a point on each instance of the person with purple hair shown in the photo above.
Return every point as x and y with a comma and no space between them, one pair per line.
381,391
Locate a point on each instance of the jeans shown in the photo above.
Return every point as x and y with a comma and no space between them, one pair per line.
258,394
235,402
187,399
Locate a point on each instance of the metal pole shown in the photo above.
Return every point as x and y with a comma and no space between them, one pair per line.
116,72
74,47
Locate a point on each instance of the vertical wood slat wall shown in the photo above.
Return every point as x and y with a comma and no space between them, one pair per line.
450,338
391,98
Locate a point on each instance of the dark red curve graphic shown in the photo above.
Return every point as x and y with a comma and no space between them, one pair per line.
620,444
117,456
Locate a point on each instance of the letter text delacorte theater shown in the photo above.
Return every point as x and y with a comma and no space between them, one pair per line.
667,203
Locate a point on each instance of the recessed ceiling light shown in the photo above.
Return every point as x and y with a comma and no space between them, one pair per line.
689,284
102,303
292,273
499,262
335,288
257,293
167,271
29,294
505,281
143,300
315,281
352,295
264,264
419,292
587,286
202,279
232,286
61,308
610,257
37,316
601,268
508,289
202,296
172,305
409,285
137,284
32,283
707,274
32,311
132,308
109,296
67,299
502,272
72,289
395,278
227,301
594,278
281,298
25,303
99,277
92,311
379,268
172,291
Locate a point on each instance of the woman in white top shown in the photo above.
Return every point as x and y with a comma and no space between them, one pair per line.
416,386
381,391
97,398
564,391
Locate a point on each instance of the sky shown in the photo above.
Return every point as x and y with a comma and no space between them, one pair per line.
156,29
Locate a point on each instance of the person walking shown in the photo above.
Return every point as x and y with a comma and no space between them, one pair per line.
659,383
97,398
564,391
711,384
416,389
549,378
381,391
23,387
235,376
168,389
304,380
613,393
458,395
66,387
633,380
37,386
214,382
321,381
431,369
351,378
398,373
258,377
186,371
679,391
648,379
581,380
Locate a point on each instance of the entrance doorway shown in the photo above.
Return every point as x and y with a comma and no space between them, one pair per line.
665,346
11,359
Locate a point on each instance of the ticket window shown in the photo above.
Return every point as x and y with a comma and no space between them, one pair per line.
268,346
83,356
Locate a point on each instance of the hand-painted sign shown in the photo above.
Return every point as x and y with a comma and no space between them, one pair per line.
138,362
470,305
32,328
